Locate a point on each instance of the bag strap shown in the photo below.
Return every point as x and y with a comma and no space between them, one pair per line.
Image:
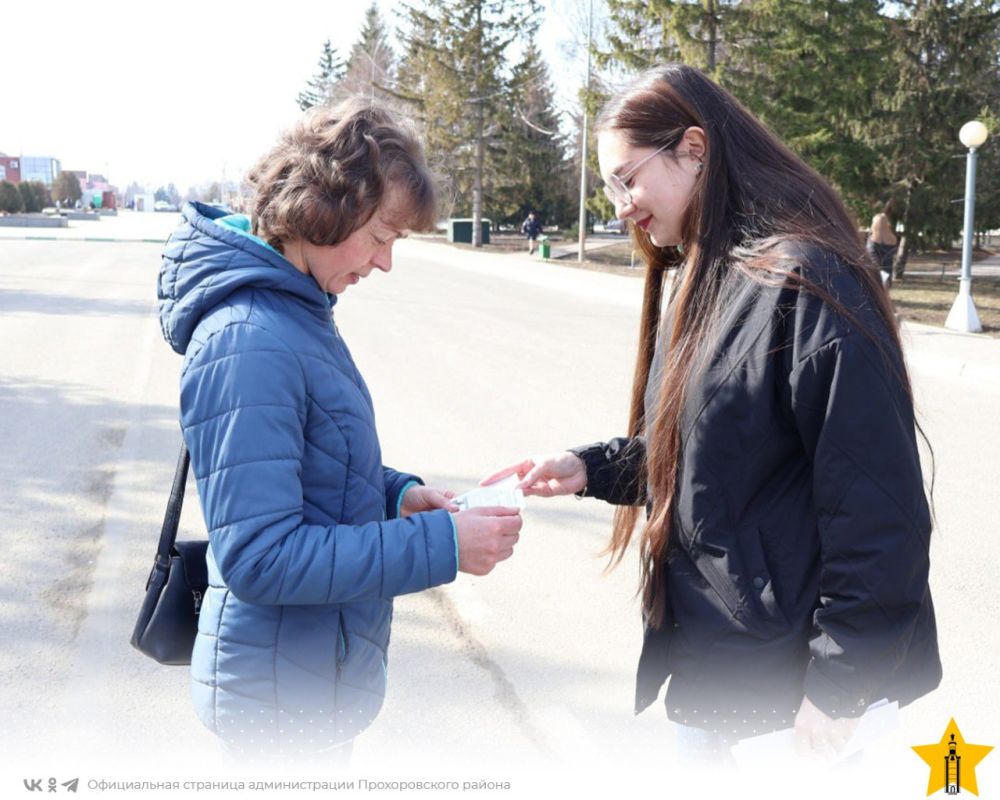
168,534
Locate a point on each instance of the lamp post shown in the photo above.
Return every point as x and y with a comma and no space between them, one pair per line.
582,241
963,316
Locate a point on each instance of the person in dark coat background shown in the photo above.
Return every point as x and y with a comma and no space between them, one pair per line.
881,245
771,442
531,228
310,535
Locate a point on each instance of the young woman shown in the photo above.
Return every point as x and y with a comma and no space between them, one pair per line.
771,438
310,535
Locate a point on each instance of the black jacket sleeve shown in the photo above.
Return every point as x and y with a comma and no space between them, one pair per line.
855,419
615,470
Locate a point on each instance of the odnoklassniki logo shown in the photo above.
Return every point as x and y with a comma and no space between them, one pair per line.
953,762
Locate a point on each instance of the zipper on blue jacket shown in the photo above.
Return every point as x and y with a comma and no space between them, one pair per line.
342,646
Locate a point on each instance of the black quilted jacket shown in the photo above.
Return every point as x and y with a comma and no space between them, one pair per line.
799,554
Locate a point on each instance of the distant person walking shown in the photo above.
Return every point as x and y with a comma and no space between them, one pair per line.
881,246
532,229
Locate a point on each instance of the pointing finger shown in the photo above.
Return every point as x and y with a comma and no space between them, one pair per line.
520,469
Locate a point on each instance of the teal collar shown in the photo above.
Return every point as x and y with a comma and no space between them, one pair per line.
241,224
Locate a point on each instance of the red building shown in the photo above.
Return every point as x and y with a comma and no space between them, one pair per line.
10,168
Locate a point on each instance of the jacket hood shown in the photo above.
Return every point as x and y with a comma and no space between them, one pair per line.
204,263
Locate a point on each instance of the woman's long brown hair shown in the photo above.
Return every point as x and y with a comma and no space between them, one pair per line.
753,195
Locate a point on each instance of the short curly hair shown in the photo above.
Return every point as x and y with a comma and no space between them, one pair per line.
334,168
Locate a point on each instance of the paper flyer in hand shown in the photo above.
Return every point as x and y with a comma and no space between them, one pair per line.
880,718
502,493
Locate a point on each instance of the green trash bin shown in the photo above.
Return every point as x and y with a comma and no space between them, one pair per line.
544,247
460,230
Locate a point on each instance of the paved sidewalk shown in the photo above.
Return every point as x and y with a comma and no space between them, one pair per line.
986,268
127,226
930,350
968,358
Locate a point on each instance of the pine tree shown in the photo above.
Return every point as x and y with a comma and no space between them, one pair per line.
10,198
369,69
813,73
533,172
988,170
945,57
320,86
30,200
455,73
650,32
870,93
36,195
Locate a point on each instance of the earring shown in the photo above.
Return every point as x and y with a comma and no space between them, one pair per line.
700,167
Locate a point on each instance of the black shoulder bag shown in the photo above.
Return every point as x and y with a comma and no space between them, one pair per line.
168,619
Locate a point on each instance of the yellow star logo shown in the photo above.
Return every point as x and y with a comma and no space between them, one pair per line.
952,762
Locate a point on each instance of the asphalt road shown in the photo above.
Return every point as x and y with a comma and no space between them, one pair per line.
473,361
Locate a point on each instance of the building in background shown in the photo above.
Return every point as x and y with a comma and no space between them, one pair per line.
95,191
40,168
10,168
98,181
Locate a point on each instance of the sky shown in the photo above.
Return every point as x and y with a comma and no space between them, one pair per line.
183,92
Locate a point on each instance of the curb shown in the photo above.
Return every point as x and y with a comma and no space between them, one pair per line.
78,239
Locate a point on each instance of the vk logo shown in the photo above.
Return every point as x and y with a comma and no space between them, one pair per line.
35,784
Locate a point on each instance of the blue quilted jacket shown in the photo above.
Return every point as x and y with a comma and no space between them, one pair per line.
306,547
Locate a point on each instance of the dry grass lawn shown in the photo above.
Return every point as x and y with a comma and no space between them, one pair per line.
925,298
925,294
928,299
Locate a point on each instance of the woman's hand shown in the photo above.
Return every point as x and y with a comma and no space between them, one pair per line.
425,498
546,476
820,736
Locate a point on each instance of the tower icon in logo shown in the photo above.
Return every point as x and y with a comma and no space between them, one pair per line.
953,762
952,769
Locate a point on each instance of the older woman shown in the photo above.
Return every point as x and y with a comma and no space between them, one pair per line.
311,536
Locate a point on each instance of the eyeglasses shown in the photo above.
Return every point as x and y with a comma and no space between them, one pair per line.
615,189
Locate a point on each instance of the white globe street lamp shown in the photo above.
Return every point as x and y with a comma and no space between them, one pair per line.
963,316
973,134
